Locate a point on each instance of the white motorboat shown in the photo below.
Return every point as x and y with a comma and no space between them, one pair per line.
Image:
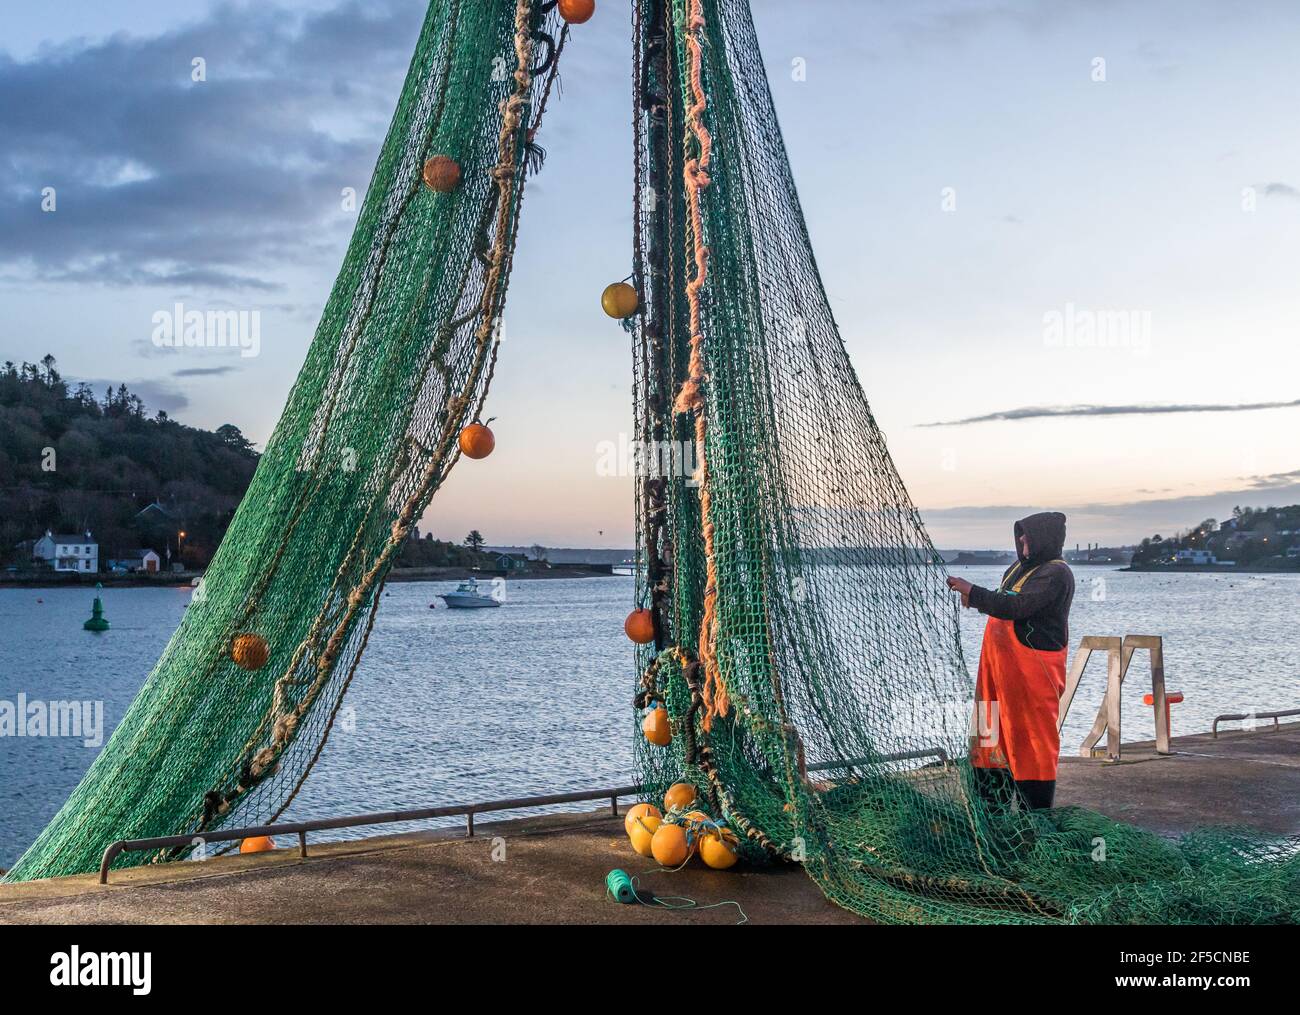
468,597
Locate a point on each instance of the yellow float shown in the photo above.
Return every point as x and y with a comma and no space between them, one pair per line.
642,832
718,849
639,811
620,300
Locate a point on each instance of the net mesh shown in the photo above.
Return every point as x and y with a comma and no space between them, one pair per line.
400,362
806,646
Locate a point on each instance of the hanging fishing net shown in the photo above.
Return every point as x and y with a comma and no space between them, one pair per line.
400,362
806,646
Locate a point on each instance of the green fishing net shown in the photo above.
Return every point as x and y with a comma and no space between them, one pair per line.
845,741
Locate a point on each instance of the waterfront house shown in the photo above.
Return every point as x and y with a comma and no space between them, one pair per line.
136,560
508,562
79,553
1195,557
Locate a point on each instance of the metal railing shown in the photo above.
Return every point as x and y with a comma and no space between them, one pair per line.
468,811
1241,716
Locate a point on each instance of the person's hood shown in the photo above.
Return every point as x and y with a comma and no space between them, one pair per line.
1046,532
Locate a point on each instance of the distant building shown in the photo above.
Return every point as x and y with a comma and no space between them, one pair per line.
1195,557
136,560
154,512
78,553
507,562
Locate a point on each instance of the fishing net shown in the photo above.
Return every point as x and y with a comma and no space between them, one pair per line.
806,646
400,362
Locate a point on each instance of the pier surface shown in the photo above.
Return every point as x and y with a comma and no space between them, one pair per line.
554,867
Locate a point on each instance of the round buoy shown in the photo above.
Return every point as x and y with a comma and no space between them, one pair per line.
668,846
698,822
441,174
250,651
476,441
642,833
656,728
639,811
680,794
257,844
577,12
620,300
716,851
640,626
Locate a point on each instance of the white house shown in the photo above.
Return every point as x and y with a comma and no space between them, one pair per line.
1195,557
68,553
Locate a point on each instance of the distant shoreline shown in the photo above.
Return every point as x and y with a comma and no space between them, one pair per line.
405,574
1211,569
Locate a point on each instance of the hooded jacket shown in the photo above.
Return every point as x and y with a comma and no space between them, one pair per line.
1041,610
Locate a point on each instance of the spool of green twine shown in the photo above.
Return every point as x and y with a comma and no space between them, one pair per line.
619,885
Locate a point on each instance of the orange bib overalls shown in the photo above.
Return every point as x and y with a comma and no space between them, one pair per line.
1017,697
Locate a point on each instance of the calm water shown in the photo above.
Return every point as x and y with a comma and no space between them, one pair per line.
452,706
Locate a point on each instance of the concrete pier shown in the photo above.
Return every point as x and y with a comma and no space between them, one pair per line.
554,868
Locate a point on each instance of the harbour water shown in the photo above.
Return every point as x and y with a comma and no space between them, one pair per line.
454,706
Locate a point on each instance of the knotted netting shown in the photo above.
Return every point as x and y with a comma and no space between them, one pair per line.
400,362
806,646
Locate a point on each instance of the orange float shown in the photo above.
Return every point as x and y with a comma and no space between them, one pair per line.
257,844
640,626
656,727
668,846
680,794
250,651
477,441
441,174
577,12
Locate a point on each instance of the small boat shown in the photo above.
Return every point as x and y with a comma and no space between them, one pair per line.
468,597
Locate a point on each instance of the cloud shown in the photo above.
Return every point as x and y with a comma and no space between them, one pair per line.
1120,523
203,371
161,180
154,393
1275,481
1073,411
1281,190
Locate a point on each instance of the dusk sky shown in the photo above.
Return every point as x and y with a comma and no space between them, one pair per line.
987,184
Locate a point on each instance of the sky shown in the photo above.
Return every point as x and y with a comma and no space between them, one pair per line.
1060,240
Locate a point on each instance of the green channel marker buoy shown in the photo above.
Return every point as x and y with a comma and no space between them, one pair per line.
97,622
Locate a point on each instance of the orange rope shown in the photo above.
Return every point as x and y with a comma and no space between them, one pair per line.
691,396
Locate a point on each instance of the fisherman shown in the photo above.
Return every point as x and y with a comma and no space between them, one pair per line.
1015,744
